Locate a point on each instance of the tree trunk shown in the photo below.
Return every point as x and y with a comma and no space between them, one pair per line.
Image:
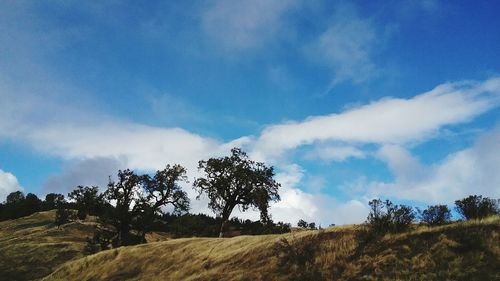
222,227
226,213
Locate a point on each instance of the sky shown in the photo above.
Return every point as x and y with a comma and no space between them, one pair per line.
348,100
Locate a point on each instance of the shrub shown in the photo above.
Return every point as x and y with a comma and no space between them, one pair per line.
302,223
91,247
477,207
435,215
63,215
99,242
386,217
298,259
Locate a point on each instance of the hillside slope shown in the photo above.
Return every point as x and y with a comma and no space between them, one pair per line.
460,251
32,247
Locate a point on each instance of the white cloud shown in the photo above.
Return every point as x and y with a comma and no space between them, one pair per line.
8,184
48,118
347,46
350,212
403,165
386,121
240,25
323,209
470,171
335,153
144,147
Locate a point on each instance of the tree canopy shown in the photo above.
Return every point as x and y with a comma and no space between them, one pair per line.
88,200
138,200
477,207
236,180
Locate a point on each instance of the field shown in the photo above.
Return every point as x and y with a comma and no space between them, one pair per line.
33,247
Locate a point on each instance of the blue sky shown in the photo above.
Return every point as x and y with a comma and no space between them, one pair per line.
348,100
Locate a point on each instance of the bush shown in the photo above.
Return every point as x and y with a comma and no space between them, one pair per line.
477,207
386,217
304,224
91,247
62,216
101,241
435,215
52,200
297,259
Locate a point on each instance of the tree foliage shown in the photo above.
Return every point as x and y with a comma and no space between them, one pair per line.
386,217
302,223
138,201
477,207
236,180
52,200
31,204
88,200
63,215
202,225
306,225
15,197
435,215
17,205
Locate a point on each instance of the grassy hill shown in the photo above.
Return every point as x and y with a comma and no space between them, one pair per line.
32,247
460,251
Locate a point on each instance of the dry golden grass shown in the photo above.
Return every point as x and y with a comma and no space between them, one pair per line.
32,247
460,251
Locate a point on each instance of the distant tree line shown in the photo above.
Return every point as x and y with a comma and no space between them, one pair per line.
385,216
18,205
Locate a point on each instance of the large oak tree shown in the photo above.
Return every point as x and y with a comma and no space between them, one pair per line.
139,200
236,180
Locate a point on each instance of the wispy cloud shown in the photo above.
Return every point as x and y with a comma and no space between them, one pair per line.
243,25
387,121
334,153
347,46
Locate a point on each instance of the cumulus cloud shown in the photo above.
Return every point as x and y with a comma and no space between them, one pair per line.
8,184
324,209
387,121
240,25
469,171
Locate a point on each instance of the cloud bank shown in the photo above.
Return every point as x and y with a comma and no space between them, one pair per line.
95,144
469,171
